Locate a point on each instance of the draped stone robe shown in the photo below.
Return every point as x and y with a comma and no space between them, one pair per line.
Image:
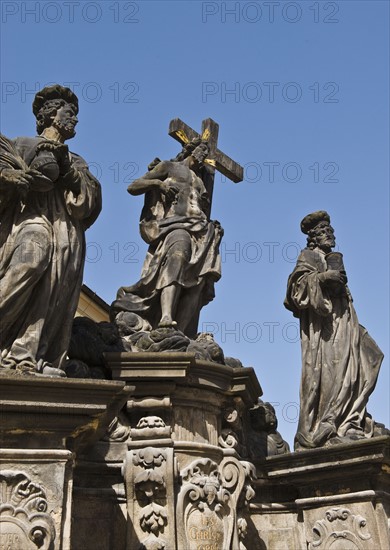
340,361
42,250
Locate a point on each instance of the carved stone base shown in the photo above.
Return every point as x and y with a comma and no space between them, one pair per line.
36,488
172,472
44,423
186,485
331,498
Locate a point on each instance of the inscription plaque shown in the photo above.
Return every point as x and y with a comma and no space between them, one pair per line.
12,537
205,531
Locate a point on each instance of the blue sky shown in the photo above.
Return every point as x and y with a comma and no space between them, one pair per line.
300,91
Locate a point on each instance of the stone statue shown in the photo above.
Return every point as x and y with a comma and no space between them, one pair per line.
48,198
340,361
263,437
183,261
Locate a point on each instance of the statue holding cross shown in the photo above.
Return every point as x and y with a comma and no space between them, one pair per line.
183,261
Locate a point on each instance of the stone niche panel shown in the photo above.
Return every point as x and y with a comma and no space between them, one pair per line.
345,526
271,530
33,502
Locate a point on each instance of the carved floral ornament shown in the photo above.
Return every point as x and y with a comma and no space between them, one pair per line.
340,530
150,486
150,422
150,427
149,457
23,518
149,482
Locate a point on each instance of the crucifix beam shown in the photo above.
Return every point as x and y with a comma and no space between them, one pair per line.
180,131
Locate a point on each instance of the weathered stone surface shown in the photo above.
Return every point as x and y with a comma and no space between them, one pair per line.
48,198
325,498
176,461
45,423
35,492
183,261
264,439
172,425
43,412
340,361
91,340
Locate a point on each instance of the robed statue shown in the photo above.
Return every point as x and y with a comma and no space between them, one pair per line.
48,198
340,360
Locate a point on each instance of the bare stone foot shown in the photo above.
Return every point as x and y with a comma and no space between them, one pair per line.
52,371
46,369
167,322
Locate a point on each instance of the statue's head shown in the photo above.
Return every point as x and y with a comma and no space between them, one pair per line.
320,234
263,417
196,148
56,106
200,152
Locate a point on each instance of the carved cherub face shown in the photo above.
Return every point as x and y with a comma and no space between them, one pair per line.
65,121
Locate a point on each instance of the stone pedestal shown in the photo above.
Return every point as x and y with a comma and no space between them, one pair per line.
186,486
336,497
45,422
171,472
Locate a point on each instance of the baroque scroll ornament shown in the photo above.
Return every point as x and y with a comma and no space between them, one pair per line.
23,513
340,529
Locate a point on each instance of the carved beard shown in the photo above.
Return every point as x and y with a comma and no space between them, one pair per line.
65,128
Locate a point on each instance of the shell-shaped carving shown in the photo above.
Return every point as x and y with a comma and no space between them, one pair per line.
201,470
153,543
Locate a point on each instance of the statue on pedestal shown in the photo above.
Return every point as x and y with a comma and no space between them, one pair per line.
183,261
48,198
162,310
340,360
